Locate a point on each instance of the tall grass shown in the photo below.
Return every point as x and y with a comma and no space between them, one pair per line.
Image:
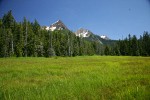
75,78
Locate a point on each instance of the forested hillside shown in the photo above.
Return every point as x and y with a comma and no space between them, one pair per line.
131,46
22,39
29,39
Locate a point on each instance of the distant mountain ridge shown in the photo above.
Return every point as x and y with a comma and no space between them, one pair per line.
83,33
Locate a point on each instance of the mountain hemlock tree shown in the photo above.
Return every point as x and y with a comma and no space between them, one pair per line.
51,51
129,44
134,46
18,39
69,54
8,22
146,44
106,51
25,29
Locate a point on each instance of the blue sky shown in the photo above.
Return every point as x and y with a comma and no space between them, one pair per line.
114,18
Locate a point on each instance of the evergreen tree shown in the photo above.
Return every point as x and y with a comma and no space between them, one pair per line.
117,51
107,51
145,44
36,28
25,35
129,45
140,45
134,46
19,41
8,20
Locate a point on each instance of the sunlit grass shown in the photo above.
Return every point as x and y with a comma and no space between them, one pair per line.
86,77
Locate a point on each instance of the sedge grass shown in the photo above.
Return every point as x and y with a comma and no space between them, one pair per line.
75,78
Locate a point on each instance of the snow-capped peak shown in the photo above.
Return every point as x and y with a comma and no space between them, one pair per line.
83,32
58,25
104,37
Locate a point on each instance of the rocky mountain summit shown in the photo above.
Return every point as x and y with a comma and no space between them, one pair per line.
58,25
83,32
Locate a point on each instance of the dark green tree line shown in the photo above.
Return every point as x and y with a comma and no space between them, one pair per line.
29,39
132,46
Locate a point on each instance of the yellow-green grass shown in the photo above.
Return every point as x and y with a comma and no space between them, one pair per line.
75,78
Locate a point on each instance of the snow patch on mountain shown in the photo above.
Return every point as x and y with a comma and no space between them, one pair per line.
47,28
104,37
83,33
52,28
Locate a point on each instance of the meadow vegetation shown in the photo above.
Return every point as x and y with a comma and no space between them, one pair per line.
75,78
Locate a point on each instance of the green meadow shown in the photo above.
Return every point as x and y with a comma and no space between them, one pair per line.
75,78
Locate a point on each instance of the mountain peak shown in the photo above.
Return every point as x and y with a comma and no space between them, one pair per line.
104,37
83,32
59,21
58,25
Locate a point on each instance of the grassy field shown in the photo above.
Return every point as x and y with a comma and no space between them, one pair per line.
75,78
